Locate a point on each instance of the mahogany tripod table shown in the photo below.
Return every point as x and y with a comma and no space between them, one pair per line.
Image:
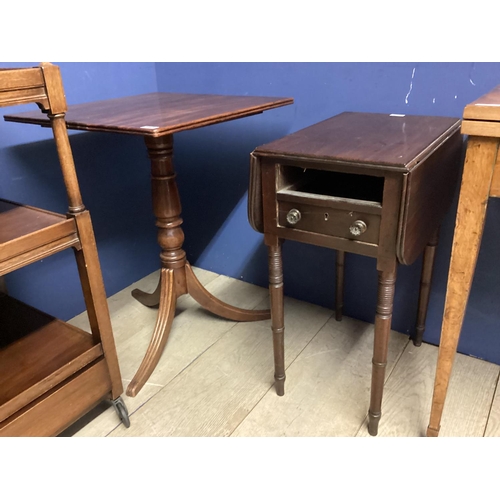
156,117
366,183
480,181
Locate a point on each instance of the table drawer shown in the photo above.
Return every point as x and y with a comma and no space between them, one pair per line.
331,203
330,217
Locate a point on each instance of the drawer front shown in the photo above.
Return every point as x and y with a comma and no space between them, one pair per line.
324,219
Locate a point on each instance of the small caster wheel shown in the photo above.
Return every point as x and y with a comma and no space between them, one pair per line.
122,411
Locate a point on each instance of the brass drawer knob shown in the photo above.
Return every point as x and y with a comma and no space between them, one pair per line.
293,216
358,228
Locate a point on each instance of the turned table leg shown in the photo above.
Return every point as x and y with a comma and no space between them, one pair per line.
425,287
474,193
383,317
277,314
339,292
176,276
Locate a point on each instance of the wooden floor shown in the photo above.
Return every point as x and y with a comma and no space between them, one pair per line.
215,377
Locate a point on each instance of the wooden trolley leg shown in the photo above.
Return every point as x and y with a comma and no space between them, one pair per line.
425,287
386,286
474,193
277,314
94,294
339,292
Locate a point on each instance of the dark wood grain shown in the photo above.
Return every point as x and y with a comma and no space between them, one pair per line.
328,241
391,206
396,174
366,138
328,220
425,287
430,188
383,317
278,317
254,206
158,113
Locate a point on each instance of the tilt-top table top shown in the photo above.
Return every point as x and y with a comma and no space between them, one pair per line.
158,113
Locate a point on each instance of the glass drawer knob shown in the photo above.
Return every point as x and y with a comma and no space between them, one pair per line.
293,216
358,228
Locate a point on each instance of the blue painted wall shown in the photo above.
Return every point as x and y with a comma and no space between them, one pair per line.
114,176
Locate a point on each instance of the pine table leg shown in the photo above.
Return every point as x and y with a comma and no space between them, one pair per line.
474,193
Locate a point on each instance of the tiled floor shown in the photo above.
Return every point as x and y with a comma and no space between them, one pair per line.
215,377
